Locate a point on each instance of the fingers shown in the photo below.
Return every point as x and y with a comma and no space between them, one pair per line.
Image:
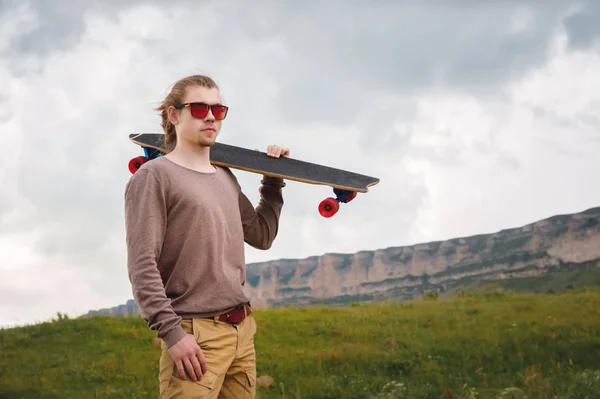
181,370
190,368
276,151
196,364
203,362
192,364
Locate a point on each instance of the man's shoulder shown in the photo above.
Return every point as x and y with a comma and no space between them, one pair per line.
226,170
157,167
154,170
228,174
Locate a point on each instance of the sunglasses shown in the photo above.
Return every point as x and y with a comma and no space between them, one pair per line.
200,110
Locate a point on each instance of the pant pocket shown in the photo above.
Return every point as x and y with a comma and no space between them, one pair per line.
179,388
251,381
208,380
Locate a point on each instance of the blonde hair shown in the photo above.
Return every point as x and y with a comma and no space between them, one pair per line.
175,97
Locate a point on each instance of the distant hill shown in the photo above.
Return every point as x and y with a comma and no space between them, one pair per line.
552,254
129,309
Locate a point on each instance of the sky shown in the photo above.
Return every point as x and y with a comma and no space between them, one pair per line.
476,116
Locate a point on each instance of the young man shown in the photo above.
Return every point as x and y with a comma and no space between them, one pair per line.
186,224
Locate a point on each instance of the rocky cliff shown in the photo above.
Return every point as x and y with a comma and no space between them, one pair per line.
559,242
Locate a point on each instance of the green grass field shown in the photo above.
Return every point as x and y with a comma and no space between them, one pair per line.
476,345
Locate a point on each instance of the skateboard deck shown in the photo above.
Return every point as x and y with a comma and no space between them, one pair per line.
345,184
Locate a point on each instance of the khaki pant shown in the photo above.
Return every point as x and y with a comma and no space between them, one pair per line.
231,358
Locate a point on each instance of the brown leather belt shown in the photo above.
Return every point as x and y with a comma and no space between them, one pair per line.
236,315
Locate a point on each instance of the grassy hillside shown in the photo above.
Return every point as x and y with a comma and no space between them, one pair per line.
555,281
476,346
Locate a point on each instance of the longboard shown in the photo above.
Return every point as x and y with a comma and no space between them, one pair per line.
345,184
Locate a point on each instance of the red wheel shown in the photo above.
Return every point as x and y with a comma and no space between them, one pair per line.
351,196
329,207
136,163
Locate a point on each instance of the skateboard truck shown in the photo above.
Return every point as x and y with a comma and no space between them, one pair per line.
137,162
329,206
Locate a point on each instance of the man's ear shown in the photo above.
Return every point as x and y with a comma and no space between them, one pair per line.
173,115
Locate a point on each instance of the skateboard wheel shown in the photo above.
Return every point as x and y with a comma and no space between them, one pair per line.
329,207
136,163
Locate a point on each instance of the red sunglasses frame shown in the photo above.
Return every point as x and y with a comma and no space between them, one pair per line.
200,109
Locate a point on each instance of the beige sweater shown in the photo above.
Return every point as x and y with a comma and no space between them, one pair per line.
185,234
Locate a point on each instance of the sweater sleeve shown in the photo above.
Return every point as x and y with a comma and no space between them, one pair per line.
145,224
262,223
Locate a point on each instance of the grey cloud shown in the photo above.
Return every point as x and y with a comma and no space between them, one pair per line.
361,48
60,23
28,299
73,196
508,161
378,136
583,27
589,118
38,292
570,123
394,47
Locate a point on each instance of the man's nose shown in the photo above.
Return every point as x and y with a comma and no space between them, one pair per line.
209,115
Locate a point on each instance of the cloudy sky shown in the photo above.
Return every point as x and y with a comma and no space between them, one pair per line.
476,116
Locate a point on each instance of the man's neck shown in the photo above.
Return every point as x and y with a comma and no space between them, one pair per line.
192,156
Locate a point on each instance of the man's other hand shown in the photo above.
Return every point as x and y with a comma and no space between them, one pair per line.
189,357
